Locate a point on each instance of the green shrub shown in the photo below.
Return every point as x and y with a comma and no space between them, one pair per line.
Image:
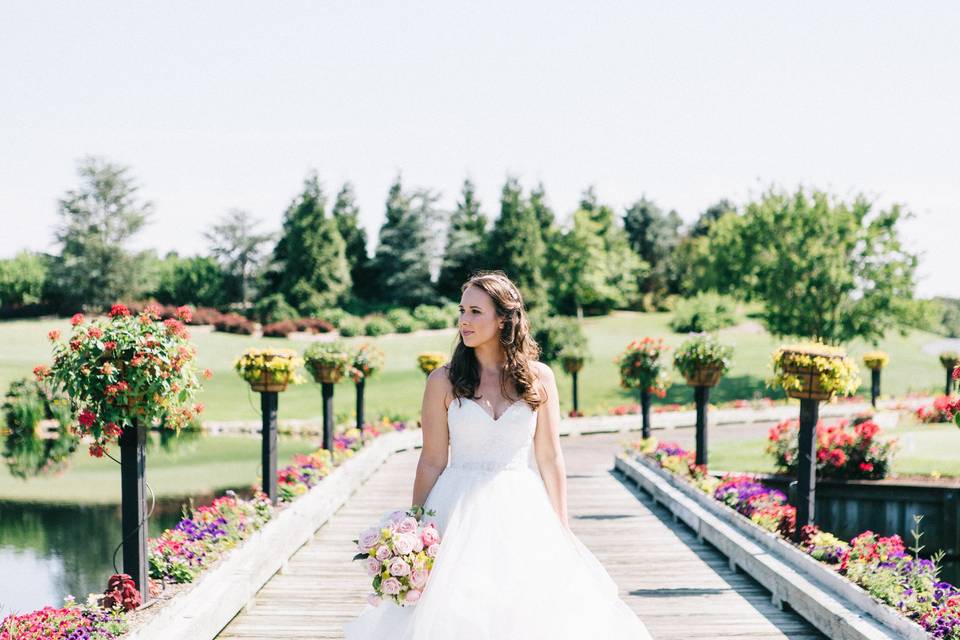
274,308
351,326
378,325
558,336
434,317
333,315
403,321
704,312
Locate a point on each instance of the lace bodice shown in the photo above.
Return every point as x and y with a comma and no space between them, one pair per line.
479,442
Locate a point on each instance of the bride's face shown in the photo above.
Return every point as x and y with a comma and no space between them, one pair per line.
479,321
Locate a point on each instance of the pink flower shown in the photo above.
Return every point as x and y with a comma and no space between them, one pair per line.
374,600
383,553
372,566
55,335
403,543
119,310
86,417
430,535
418,578
368,539
412,596
396,516
390,586
433,550
398,567
76,319
417,545
185,313
407,525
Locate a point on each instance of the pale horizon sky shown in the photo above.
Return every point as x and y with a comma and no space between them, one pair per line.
222,105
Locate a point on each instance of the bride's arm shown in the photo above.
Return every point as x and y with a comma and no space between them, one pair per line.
546,444
436,438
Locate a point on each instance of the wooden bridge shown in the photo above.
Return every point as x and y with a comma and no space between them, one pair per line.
679,587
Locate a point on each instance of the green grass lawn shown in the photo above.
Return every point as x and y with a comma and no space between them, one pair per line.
399,388
196,465
924,449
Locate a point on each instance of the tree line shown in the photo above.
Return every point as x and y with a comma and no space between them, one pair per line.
818,266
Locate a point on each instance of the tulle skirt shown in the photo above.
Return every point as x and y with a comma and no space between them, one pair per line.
507,570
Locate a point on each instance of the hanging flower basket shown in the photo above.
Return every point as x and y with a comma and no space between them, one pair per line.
268,370
430,360
572,364
875,360
815,372
702,360
326,373
950,359
327,361
705,377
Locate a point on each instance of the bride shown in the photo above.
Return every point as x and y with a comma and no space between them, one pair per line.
509,567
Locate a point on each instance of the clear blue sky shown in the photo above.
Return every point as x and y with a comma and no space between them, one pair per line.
228,104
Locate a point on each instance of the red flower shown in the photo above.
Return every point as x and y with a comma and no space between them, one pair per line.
956,373
123,385
86,418
95,332
112,429
109,345
96,451
153,310
198,407
866,467
75,345
185,313
76,319
41,371
207,373
119,310
55,335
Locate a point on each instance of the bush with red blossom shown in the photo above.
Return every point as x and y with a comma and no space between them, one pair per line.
121,593
843,450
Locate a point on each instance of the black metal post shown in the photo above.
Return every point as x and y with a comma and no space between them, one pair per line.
807,470
874,386
645,411
327,390
576,400
268,450
949,388
360,417
701,396
133,492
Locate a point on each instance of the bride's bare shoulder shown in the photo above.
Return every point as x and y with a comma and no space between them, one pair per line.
439,386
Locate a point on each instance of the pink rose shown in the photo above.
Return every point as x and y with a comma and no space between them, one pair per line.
417,545
383,553
372,566
398,567
433,550
430,535
412,596
374,600
407,525
418,578
396,516
390,586
368,539
403,544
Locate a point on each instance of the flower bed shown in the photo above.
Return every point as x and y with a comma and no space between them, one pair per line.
180,554
880,565
843,450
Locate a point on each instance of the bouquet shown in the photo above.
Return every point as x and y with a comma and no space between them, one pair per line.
398,554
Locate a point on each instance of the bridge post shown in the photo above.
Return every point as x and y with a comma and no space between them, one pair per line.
645,412
133,491
807,469
874,386
360,416
269,401
327,392
701,395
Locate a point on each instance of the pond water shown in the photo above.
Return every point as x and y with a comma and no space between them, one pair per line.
52,546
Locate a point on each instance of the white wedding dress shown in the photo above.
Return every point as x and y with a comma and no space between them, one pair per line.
507,568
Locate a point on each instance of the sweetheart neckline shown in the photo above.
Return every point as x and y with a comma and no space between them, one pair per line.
492,419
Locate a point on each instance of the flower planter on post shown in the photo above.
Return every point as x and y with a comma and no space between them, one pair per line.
430,360
811,373
367,360
875,361
641,367
573,364
269,372
702,361
950,361
124,374
327,361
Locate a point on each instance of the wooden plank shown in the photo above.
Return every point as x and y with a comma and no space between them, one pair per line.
680,587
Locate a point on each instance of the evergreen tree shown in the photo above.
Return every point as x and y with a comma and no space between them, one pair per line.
710,215
654,235
515,245
97,221
463,253
239,248
347,215
310,267
402,260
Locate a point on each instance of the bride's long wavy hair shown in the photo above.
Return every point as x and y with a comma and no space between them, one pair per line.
517,343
